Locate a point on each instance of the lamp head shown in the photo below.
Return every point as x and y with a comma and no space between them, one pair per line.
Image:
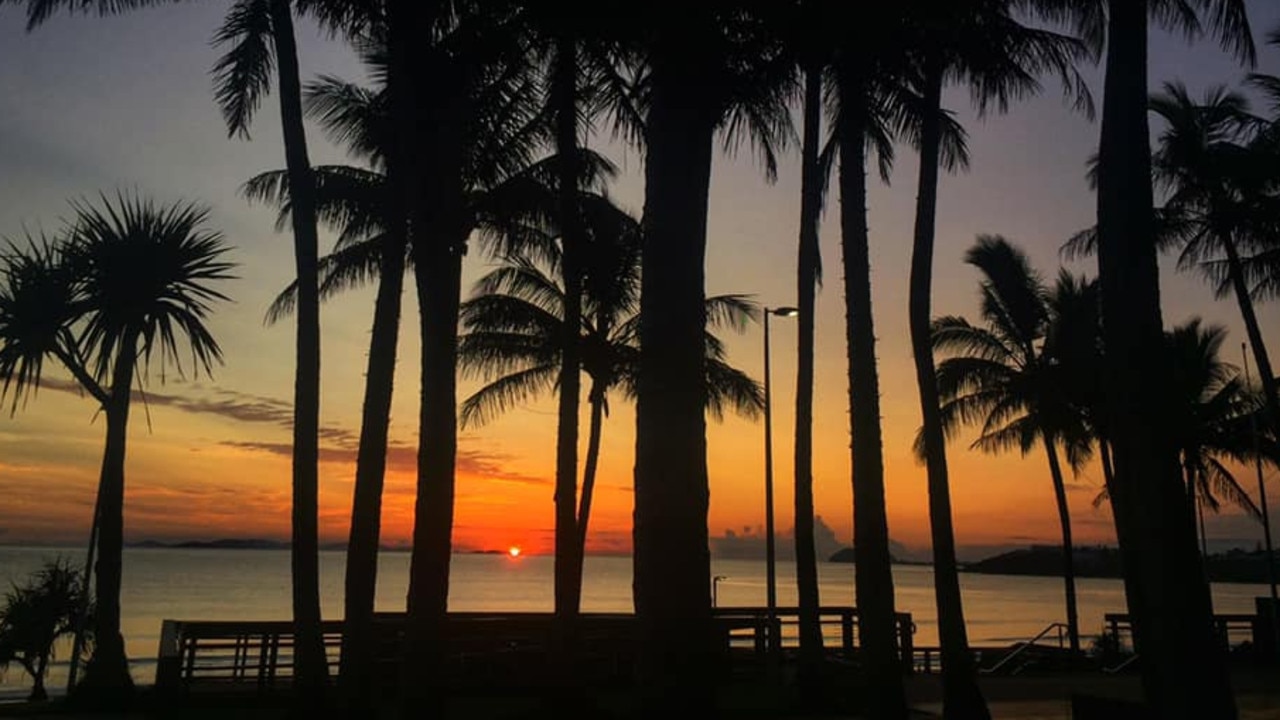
784,311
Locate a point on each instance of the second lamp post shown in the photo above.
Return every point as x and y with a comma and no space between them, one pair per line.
770,555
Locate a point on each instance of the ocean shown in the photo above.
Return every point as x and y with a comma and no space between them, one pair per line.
184,584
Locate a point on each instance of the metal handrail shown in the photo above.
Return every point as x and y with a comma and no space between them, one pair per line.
1022,647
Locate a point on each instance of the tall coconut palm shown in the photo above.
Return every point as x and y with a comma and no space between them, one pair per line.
1183,675
708,67
1221,195
577,54
125,287
872,105
507,200
984,46
260,37
512,340
815,59
441,59
1214,410
1004,376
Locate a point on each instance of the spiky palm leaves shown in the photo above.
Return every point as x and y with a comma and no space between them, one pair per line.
128,284
514,339
1003,376
1212,422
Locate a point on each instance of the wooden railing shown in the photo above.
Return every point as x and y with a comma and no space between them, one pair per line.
1232,630
486,647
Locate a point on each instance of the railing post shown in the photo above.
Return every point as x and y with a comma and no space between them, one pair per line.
906,643
846,632
169,656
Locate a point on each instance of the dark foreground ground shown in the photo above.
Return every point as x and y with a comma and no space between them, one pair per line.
1043,697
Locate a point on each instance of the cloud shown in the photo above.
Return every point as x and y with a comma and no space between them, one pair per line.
403,458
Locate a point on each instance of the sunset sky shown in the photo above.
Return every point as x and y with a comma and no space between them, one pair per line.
89,105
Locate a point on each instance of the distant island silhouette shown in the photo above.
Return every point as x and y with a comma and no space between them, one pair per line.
1233,566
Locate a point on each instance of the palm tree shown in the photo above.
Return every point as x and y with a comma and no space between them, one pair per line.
260,37
512,339
998,58
708,67
815,60
577,54
1005,376
1183,675
1221,195
1214,410
872,105
362,206
127,283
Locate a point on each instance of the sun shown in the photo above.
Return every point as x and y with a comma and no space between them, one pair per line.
513,551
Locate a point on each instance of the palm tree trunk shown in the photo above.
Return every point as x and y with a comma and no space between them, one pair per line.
811,651
1129,556
596,396
356,674
106,676
1184,673
568,568
439,285
1260,358
309,655
672,559
962,697
426,171
38,692
1068,549
877,621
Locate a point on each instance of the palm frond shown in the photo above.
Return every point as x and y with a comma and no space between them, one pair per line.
38,308
731,389
242,76
505,393
147,270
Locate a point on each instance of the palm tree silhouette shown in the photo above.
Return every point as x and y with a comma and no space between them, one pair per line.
509,200
1221,195
985,47
1005,376
259,35
1212,423
1184,675
127,285
513,340
814,51
872,105
707,68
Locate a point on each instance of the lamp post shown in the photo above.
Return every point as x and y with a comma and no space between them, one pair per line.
770,558
715,586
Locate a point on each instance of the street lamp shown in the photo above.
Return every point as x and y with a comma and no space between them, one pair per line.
770,558
715,585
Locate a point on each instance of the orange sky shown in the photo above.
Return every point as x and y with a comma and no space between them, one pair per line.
79,115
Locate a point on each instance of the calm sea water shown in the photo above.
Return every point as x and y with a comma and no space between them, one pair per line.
254,585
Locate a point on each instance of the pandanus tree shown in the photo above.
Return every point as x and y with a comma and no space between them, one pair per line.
984,46
1005,376
1183,673
513,343
36,615
259,37
126,286
707,68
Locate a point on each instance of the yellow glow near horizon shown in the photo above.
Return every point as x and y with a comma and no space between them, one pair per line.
513,552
